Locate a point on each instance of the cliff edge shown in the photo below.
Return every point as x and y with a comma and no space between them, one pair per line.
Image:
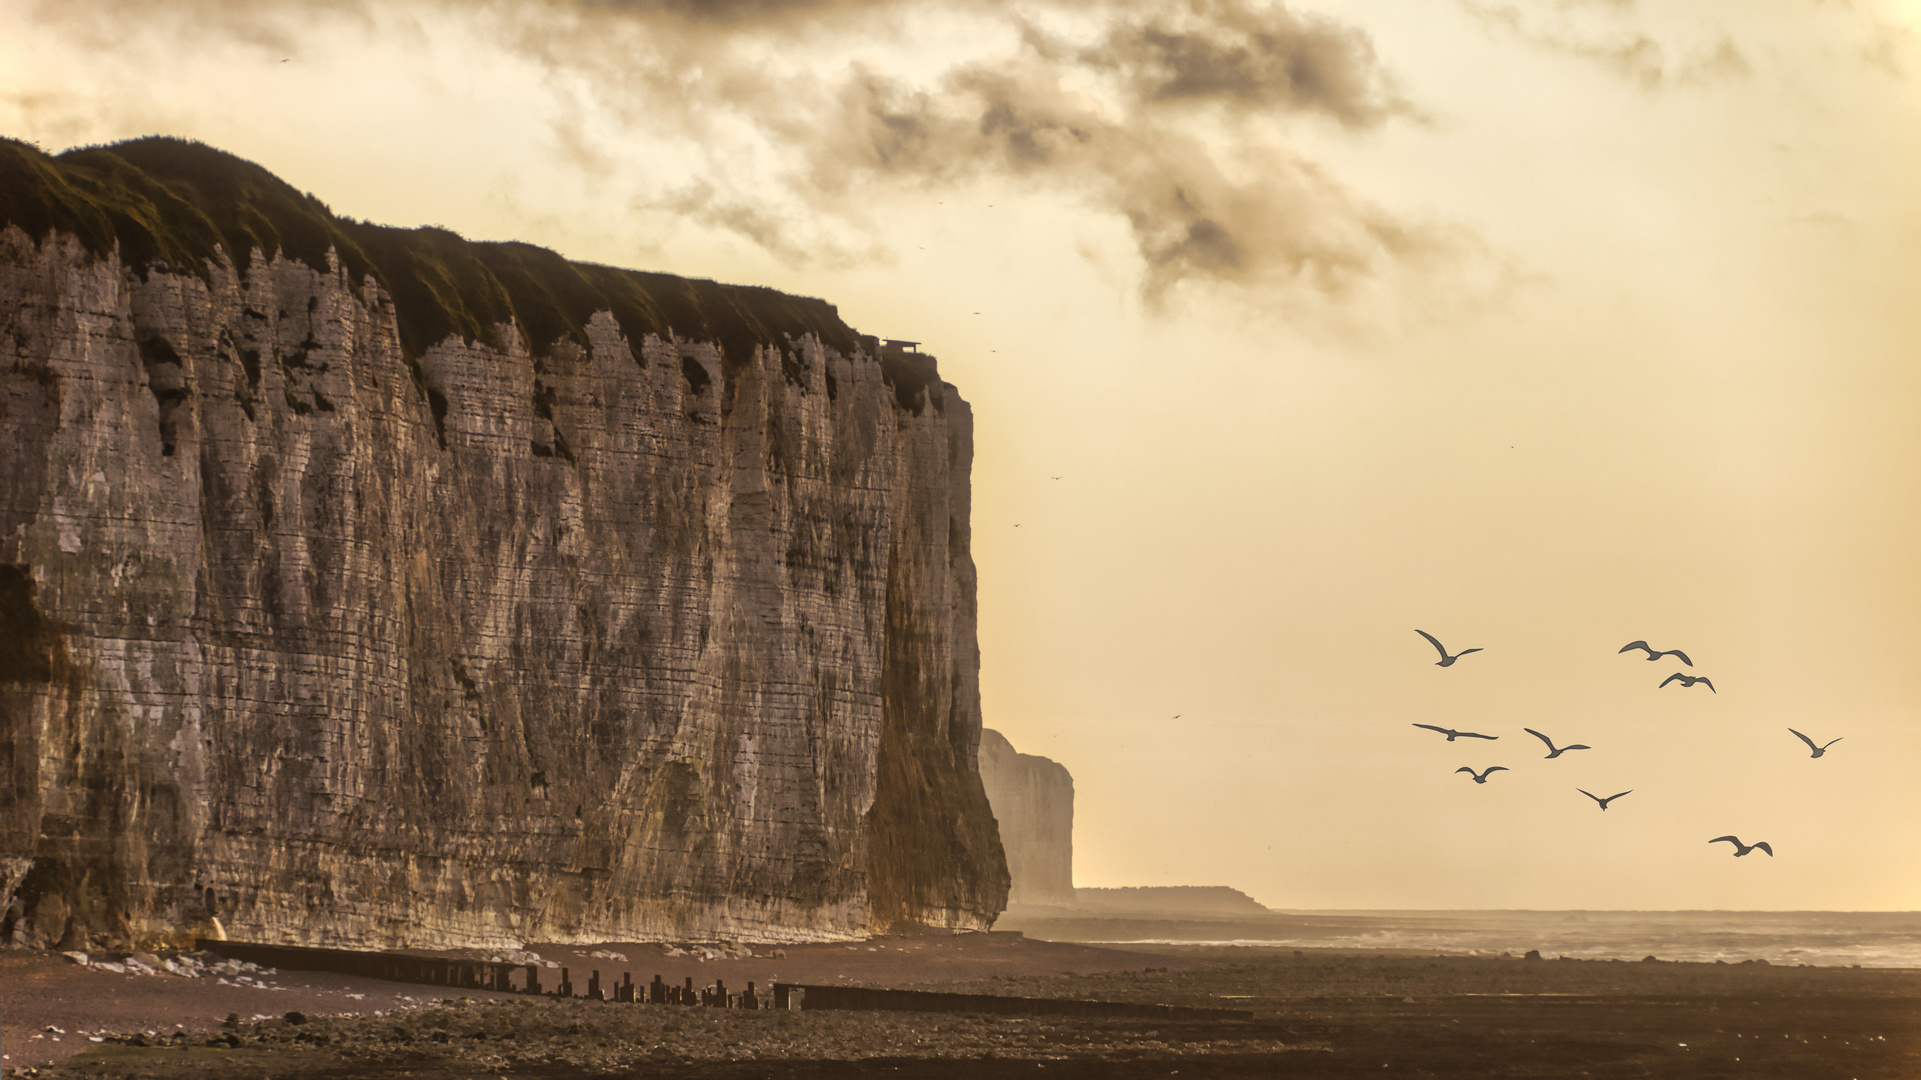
368,586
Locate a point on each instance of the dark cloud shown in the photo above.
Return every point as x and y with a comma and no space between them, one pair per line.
1174,118
1255,214
1170,117
1244,56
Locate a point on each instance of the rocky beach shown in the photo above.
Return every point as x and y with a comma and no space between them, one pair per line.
1316,1013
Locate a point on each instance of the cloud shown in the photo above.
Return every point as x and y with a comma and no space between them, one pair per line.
1563,26
1890,44
1255,215
790,121
1244,57
1171,118
273,28
761,223
571,142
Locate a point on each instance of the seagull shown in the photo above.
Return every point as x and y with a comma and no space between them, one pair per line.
1453,734
1652,655
1741,849
1446,660
1818,750
1687,680
1481,777
1604,802
1554,751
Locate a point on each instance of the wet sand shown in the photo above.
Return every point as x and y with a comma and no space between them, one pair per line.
1318,1013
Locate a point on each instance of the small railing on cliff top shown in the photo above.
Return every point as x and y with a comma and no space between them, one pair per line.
505,978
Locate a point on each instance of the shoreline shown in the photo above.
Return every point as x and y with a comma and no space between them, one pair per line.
1265,945
1882,940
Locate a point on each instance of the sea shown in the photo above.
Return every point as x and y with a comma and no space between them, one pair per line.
1877,939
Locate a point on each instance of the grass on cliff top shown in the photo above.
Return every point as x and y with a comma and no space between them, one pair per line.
169,203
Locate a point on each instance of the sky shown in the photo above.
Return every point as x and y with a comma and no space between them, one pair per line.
1543,326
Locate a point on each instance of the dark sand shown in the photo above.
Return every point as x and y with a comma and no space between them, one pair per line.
38,990
1320,1013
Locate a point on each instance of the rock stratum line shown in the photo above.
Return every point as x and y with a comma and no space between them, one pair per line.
369,587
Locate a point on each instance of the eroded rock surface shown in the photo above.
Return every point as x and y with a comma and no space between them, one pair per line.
1033,800
543,631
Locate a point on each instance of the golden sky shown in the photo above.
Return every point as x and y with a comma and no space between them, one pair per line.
1542,326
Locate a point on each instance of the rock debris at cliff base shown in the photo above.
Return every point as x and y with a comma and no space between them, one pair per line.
370,587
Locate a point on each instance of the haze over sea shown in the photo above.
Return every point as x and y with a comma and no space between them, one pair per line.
1887,939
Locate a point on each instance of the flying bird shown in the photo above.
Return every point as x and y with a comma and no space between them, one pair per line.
1481,777
1555,751
1453,734
1687,680
1604,802
1741,849
1652,655
1818,750
1446,660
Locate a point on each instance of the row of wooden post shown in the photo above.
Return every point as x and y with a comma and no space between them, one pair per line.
496,976
662,993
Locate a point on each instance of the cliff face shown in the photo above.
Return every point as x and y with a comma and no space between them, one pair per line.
1033,800
365,586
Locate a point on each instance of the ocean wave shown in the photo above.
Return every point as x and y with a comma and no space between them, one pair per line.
1880,940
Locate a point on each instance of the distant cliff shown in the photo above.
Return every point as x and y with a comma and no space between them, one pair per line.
369,586
1168,901
1033,799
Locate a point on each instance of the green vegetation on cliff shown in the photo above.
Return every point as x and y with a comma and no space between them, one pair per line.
171,203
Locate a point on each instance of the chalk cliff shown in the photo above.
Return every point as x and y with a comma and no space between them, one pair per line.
1033,800
368,586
